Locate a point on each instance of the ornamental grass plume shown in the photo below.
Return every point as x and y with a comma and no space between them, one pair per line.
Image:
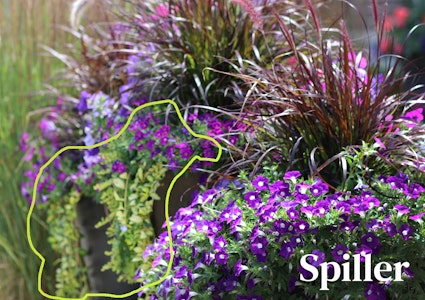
185,38
321,96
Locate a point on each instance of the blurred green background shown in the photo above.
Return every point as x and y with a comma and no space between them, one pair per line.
25,25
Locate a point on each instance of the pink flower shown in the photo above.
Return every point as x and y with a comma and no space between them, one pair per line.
162,11
415,115
379,143
401,14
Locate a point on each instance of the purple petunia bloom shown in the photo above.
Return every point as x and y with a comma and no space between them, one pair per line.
259,245
418,217
239,268
118,167
390,228
338,252
82,105
372,241
319,188
374,291
253,199
286,250
405,231
292,175
219,243
301,226
221,257
317,259
296,240
292,213
249,297
363,250
267,213
232,215
401,209
414,190
260,183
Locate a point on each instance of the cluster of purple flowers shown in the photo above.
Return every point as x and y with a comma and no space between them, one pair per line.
250,245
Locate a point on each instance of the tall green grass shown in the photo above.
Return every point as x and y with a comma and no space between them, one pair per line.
24,26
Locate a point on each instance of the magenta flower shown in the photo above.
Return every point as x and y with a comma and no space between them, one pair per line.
415,115
418,217
401,209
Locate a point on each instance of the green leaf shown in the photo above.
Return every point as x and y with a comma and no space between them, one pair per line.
119,183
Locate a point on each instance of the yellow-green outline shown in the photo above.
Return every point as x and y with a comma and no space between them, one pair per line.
167,200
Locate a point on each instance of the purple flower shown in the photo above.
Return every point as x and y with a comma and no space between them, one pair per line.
371,202
259,245
296,240
23,141
306,274
267,213
82,105
317,259
162,132
278,187
372,241
363,250
239,267
249,297
253,199
221,257
374,291
418,217
401,209
338,252
118,167
185,150
286,250
319,188
291,283
322,207
282,226
390,228
415,190
301,226
405,231
302,188
292,176
260,183
292,213
232,214
220,243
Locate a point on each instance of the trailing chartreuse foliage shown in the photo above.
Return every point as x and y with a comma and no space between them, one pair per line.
129,199
64,237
